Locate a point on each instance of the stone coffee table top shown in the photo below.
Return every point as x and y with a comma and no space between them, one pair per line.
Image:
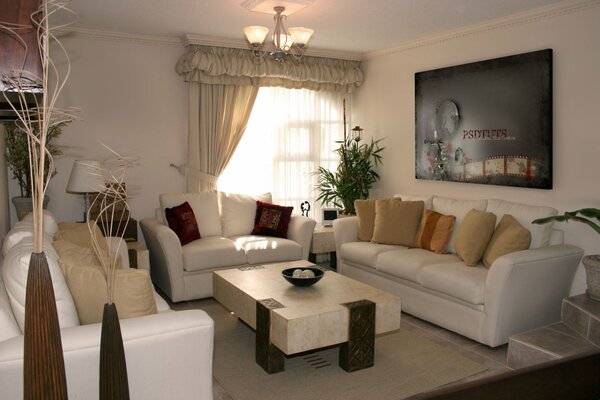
306,318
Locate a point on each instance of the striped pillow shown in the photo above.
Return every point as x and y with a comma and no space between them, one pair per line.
435,231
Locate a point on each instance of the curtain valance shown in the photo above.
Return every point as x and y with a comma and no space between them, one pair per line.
219,65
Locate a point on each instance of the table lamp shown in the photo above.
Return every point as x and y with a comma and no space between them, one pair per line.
86,178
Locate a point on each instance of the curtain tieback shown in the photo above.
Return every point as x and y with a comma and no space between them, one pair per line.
185,170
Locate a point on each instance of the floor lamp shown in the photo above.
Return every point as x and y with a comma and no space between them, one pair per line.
86,179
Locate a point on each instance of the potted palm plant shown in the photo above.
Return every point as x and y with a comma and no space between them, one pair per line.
354,176
590,217
18,160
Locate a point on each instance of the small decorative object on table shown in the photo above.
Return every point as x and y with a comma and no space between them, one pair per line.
305,276
305,207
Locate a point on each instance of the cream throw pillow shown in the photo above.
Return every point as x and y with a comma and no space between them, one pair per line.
509,236
473,236
365,213
79,234
70,252
397,222
133,292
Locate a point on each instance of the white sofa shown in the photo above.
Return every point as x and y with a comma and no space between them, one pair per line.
225,222
168,354
520,291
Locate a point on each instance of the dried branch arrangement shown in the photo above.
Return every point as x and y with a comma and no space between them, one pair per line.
113,214
37,121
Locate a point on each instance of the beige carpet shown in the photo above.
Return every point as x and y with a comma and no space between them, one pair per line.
405,364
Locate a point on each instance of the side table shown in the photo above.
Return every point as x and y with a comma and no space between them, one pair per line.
323,242
139,256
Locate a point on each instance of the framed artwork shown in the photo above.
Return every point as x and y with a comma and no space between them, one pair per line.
487,122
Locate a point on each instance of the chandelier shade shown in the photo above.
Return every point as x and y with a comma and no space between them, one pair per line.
284,42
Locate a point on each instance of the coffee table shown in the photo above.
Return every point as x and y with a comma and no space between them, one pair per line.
289,320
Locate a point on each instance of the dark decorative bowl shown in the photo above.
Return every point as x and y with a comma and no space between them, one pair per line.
288,275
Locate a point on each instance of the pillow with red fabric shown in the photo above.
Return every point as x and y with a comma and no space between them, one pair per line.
271,219
182,221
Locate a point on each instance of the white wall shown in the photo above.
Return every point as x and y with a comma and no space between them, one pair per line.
133,101
385,106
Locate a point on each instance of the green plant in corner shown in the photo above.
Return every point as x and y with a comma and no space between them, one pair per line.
354,176
17,152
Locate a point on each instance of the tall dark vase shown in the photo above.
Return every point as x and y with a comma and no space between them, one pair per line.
43,364
113,368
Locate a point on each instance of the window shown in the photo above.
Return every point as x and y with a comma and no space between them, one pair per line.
290,134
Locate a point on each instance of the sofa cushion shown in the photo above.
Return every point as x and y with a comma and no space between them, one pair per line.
365,213
8,324
49,223
182,221
20,230
79,233
133,292
509,236
435,231
473,236
365,253
14,273
459,208
271,219
211,252
524,214
238,212
205,206
397,222
427,199
456,280
69,252
407,264
264,249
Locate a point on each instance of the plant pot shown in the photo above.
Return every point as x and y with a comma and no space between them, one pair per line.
113,367
592,272
24,205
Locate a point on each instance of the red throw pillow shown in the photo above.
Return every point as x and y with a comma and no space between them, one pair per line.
271,219
182,221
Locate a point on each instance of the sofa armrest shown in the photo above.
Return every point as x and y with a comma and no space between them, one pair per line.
168,355
300,230
166,260
345,230
525,289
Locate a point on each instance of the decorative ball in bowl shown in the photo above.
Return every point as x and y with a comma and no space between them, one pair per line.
303,276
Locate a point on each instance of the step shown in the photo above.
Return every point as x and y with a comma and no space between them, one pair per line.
545,344
582,314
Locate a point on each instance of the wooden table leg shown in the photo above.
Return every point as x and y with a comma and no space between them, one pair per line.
359,352
269,357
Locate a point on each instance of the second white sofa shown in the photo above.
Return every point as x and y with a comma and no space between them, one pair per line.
225,222
520,291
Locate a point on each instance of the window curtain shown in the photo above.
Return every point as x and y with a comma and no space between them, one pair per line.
281,156
218,115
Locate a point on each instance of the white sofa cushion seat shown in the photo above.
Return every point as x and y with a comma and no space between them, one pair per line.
265,249
456,280
211,252
408,263
366,253
8,324
524,214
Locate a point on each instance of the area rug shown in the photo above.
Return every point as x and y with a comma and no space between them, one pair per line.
405,364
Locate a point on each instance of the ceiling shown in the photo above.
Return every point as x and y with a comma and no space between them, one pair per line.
356,26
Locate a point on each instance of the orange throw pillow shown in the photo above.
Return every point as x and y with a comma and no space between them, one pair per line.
435,231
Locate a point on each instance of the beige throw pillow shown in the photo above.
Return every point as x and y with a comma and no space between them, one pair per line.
509,236
133,292
397,222
473,236
79,234
365,213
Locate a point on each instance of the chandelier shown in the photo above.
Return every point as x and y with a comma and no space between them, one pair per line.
284,43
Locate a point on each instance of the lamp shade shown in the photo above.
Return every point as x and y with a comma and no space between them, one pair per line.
256,34
86,177
301,35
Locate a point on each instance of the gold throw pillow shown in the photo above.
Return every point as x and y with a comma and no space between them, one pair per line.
509,236
365,213
473,236
397,222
